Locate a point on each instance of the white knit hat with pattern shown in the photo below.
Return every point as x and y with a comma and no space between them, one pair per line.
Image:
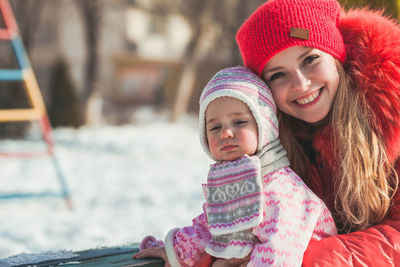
242,84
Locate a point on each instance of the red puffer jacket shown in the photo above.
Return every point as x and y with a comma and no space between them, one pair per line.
373,62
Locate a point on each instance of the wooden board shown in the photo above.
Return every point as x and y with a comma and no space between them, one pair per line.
110,257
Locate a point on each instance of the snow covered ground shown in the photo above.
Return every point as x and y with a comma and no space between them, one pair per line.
126,182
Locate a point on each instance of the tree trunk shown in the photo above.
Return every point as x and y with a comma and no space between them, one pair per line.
191,61
90,11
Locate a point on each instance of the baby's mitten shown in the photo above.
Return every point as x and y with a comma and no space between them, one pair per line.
150,241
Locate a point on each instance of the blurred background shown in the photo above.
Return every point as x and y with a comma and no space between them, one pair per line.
120,80
98,60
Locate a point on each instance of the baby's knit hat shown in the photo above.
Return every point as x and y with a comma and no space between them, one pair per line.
244,85
280,24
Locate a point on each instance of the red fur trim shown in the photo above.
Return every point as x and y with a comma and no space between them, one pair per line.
372,44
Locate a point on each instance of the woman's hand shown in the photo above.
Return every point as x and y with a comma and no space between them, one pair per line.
157,252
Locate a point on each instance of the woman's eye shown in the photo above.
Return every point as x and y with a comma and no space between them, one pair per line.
310,59
275,76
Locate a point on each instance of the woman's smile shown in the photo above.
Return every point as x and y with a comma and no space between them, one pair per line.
303,81
309,99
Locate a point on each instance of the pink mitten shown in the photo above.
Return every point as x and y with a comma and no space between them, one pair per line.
150,241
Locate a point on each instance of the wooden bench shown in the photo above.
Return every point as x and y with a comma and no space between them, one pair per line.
107,257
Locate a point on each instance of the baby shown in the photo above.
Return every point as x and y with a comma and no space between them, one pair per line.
258,211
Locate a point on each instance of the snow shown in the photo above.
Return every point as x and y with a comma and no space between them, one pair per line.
126,182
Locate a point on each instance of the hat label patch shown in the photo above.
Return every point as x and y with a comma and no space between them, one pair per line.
300,33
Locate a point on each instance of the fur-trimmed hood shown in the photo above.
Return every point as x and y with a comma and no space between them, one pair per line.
372,44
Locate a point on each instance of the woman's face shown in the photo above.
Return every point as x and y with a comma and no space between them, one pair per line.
303,81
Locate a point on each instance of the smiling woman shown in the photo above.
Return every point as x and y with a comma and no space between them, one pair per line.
306,89
334,76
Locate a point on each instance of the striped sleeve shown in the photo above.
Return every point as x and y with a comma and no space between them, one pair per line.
186,246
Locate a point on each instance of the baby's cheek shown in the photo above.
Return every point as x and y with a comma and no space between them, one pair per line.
212,146
250,142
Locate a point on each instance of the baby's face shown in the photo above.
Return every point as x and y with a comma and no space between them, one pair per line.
231,129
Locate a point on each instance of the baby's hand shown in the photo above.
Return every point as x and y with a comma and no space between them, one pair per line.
157,252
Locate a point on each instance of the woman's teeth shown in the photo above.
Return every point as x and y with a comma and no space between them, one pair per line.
308,99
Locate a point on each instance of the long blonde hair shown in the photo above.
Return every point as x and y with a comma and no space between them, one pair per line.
365,179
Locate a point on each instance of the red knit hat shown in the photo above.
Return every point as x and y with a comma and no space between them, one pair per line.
280,24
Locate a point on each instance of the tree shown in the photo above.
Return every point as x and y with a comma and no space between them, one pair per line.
91,15
212,45
65,108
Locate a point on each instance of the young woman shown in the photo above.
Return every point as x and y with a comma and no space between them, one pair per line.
335,77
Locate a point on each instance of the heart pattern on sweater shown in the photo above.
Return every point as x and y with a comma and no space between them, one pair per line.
247,187
232,190
218,196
